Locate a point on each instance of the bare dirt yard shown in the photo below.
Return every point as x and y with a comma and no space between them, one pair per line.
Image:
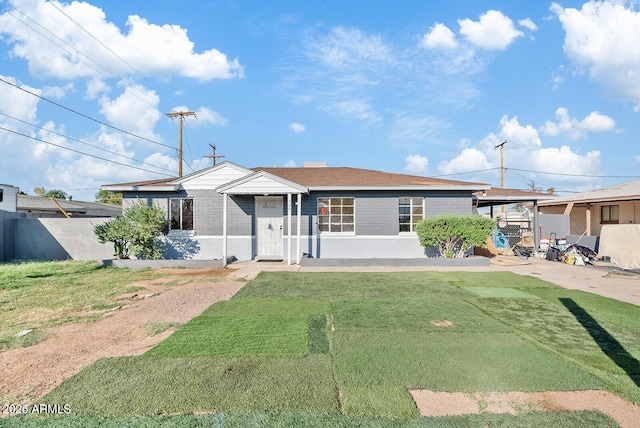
29,373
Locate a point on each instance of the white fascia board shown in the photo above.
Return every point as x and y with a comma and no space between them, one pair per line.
166,188
396,188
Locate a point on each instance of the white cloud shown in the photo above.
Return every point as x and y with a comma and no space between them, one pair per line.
468,160
14,100
96,87
57,92
524,150
528,23
601,38
346,46
494,31
574,128
290,164
416,164
134,110
149,48
440,37
297,127
206,115
354,109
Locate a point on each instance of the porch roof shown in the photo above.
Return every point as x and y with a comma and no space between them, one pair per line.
262,183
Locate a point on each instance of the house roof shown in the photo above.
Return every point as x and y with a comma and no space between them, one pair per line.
325,178
318,178
619,192
28,203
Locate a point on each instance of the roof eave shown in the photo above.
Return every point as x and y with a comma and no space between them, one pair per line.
163,188
401,188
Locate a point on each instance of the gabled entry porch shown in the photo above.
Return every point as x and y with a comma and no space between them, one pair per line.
269,195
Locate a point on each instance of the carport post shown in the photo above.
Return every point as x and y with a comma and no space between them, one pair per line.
289,228
536,227
224,228
299,218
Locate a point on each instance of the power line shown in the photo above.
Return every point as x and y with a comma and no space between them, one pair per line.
84,115
83,142
575,175
111,51
82,153
72,54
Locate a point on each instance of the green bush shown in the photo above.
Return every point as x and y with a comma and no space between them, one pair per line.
136,232
453,235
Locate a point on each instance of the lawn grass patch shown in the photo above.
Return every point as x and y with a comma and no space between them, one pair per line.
348,286
493,279
149,385
467,362
328,420
555,326
154,328
501,292
317,342
419,314
38,295
237,336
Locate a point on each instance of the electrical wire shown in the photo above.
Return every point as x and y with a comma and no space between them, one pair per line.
82,153
84,115
83,142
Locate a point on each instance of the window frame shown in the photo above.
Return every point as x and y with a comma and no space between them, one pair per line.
609,210
338,212
411,214
182,208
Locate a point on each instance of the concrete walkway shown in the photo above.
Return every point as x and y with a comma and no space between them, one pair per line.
600,281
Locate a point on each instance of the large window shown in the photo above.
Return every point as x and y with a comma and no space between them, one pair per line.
336,215
410,212
181,214
609,214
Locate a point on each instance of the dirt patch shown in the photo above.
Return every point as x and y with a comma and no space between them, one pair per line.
441,323
436,403
29,373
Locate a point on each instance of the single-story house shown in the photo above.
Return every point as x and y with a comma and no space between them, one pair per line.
287,213
589,211
39,206
8,198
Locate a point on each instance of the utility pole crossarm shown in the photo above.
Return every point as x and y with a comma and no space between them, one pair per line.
213,155
181,115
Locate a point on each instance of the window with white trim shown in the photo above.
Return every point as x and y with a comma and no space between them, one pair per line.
181,214
410,212
336,215
609,214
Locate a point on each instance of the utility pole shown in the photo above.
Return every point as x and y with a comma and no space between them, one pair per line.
181,115
501,145
213,156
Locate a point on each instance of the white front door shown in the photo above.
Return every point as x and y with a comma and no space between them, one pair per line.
269,225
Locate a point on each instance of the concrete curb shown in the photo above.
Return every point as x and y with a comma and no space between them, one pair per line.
159,264
427,261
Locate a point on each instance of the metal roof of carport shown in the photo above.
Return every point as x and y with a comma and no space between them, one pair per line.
497,196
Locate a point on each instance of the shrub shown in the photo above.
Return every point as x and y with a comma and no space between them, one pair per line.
454,235
136,232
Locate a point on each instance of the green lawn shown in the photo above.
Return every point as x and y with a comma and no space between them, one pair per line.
341,349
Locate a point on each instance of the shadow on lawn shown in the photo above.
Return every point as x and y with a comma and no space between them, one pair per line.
609,345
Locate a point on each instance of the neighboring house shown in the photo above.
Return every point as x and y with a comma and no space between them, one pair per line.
8,198
39,206
589,211
284,213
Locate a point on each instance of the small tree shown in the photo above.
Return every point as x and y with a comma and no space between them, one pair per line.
108,197
454,235
136,232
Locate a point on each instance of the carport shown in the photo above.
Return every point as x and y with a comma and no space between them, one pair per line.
500,197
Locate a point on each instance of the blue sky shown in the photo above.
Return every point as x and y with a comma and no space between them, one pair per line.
426,88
